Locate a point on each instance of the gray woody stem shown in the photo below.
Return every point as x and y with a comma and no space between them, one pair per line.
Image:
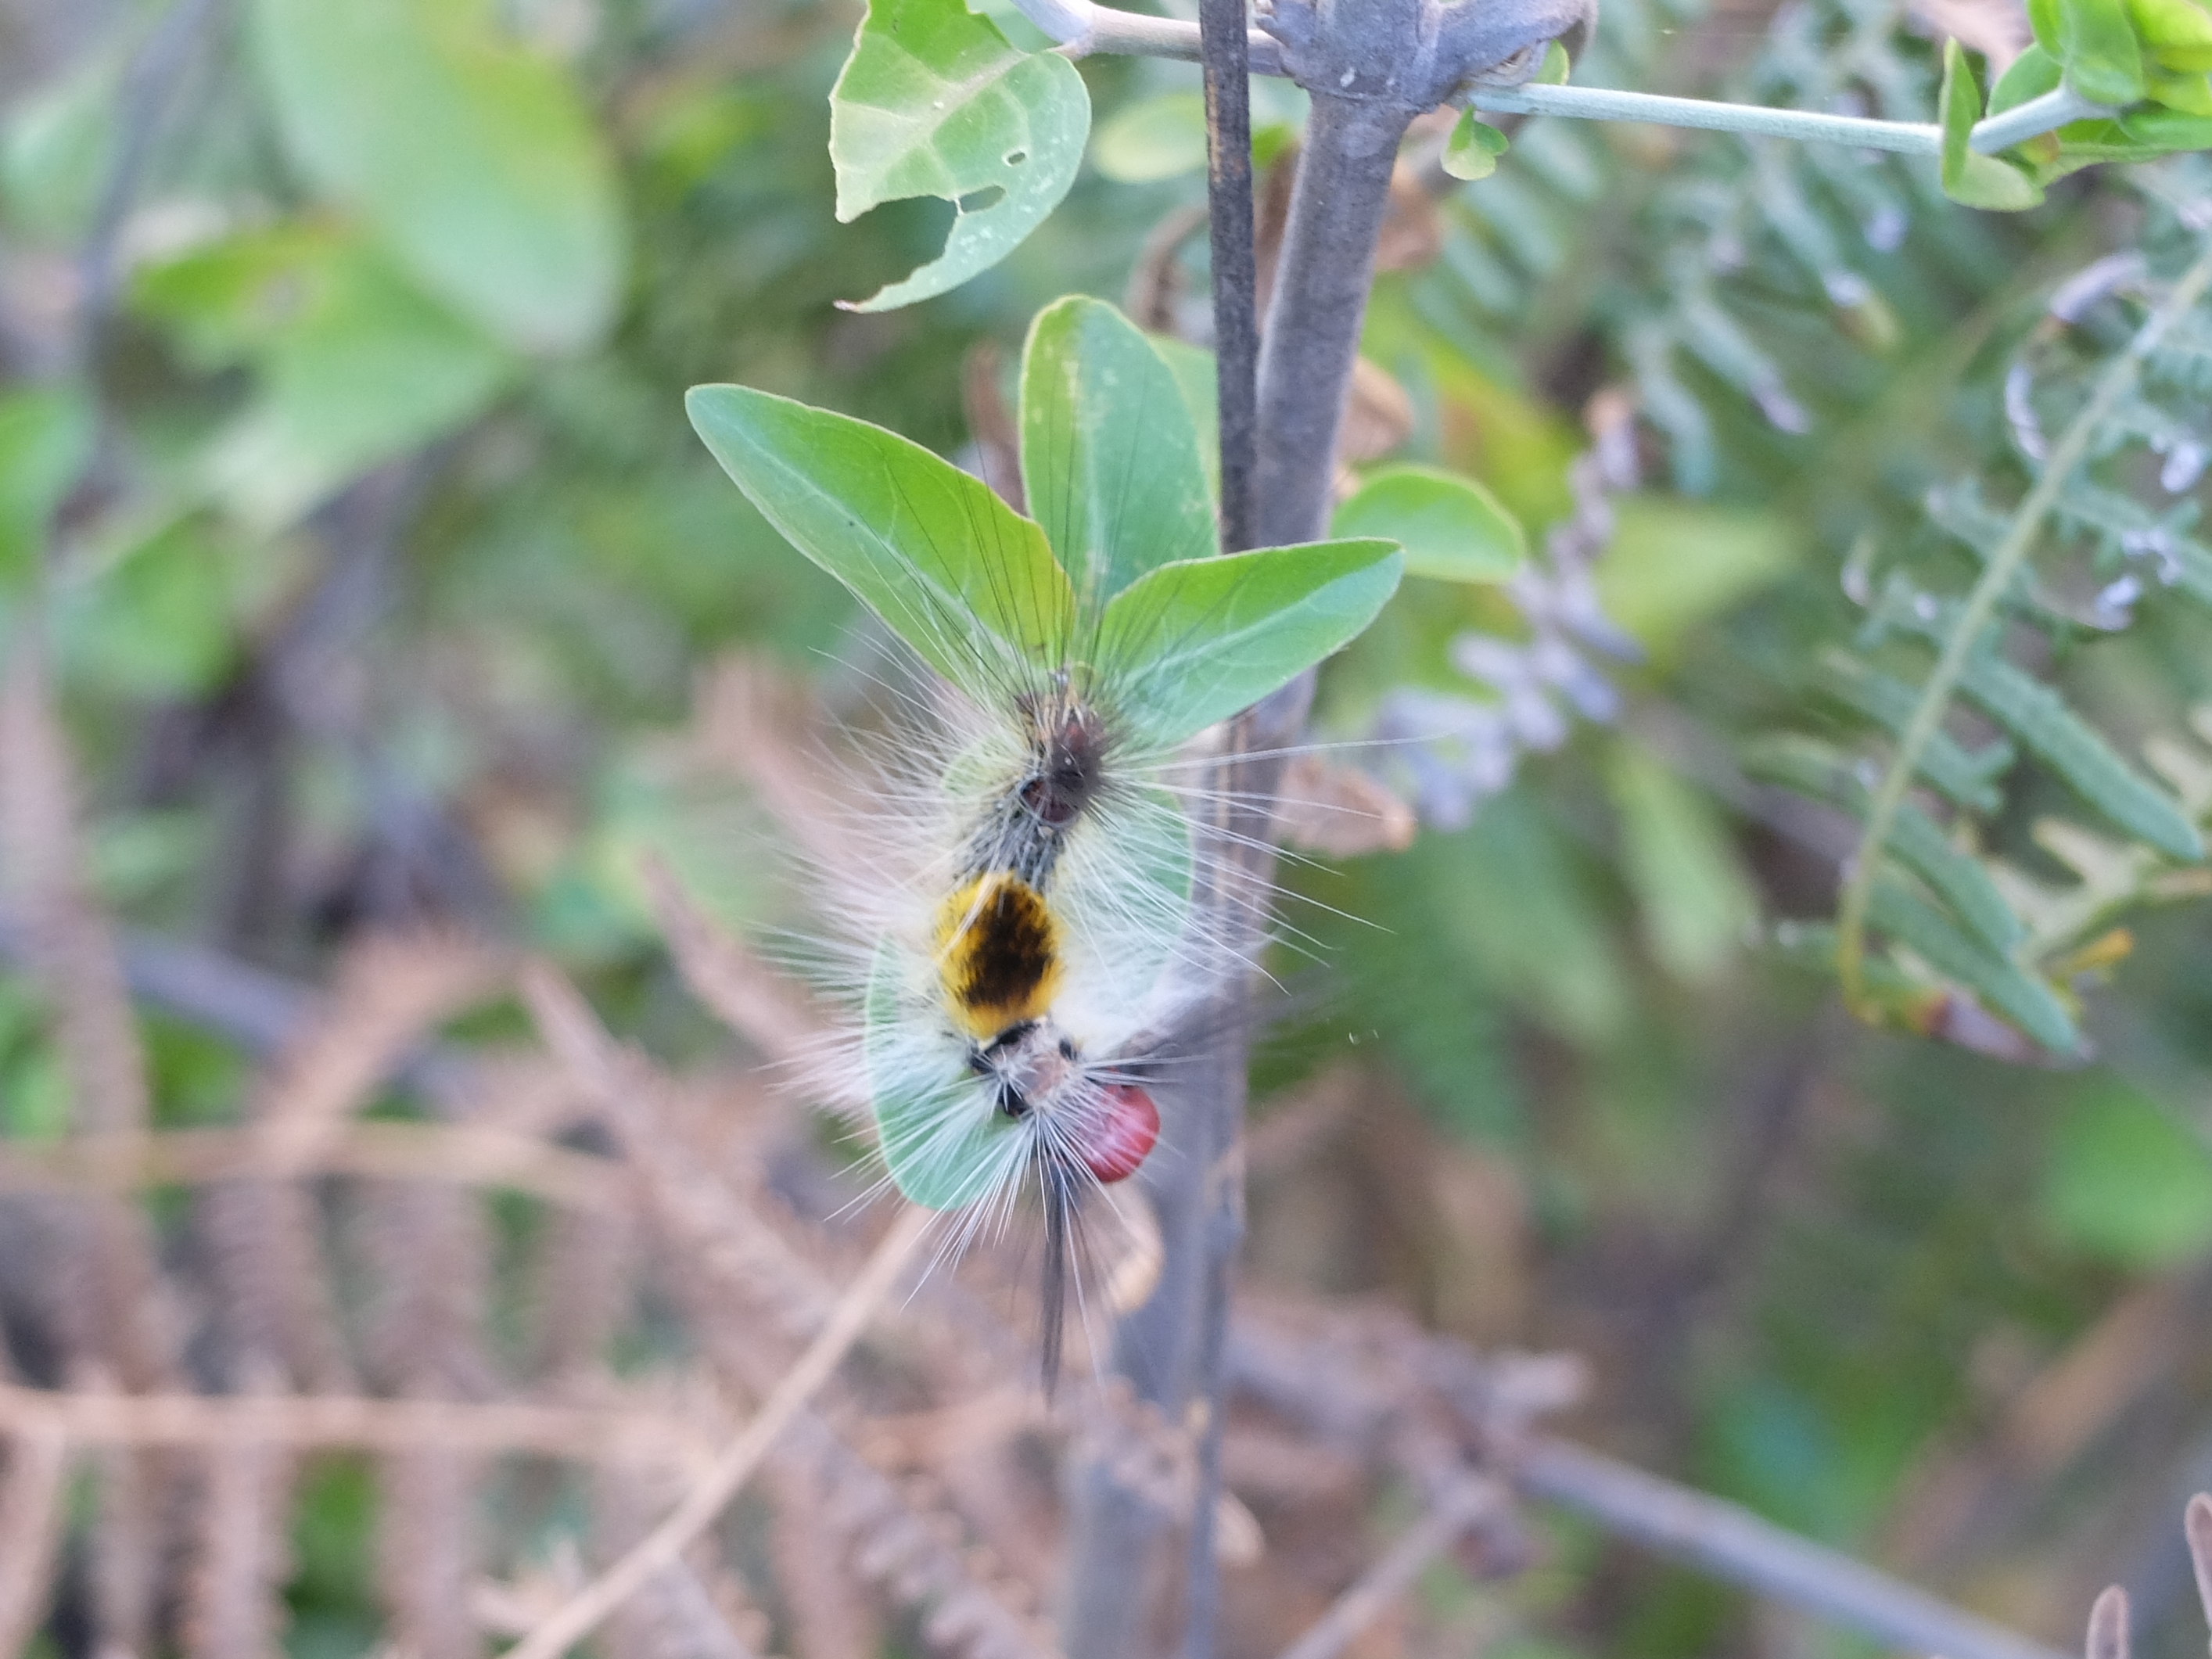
1371,66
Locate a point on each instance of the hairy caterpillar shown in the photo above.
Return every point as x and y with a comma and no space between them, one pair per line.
1025,915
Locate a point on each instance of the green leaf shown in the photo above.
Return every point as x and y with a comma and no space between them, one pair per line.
2168,129
1195,642
2097,45
1159,137
934,101
46,439
2030,75
475,159
1552,71
357,367
2039,718
159,624
1966,779
2189,91
2178,33
1451,528
1193,369
1109,453
1981,181
942,1140
1473,149
1695,900
1675,563
2124,1181
952,570
2002,983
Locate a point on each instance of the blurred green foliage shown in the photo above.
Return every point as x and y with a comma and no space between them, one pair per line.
386,567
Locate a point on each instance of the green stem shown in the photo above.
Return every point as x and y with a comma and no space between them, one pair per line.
1981,605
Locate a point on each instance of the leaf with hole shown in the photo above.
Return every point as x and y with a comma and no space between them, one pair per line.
934,101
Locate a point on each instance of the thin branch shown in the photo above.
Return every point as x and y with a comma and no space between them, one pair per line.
1228,62
1466,1503
1730,1542
1965,637
308,1422
1082,26
398,1151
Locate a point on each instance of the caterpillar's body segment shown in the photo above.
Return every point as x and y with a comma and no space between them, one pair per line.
997,955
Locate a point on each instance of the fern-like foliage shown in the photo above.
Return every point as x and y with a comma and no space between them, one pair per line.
2087,520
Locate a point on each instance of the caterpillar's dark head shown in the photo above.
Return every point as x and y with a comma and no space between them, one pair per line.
1068,761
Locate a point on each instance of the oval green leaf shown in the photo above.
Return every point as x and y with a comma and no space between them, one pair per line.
1154,138
1196,641
474,159
934,101
950,568
1109,452
1451,527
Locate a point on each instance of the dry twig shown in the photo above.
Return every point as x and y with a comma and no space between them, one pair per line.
1466,1501
309,1422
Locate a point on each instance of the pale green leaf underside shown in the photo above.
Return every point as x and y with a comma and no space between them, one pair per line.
1195,373
1109,453
941,1140
934,101
962,579
1451,527
1195,642
476,160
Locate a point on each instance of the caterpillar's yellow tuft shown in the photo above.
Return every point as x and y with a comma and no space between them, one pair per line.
997,955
